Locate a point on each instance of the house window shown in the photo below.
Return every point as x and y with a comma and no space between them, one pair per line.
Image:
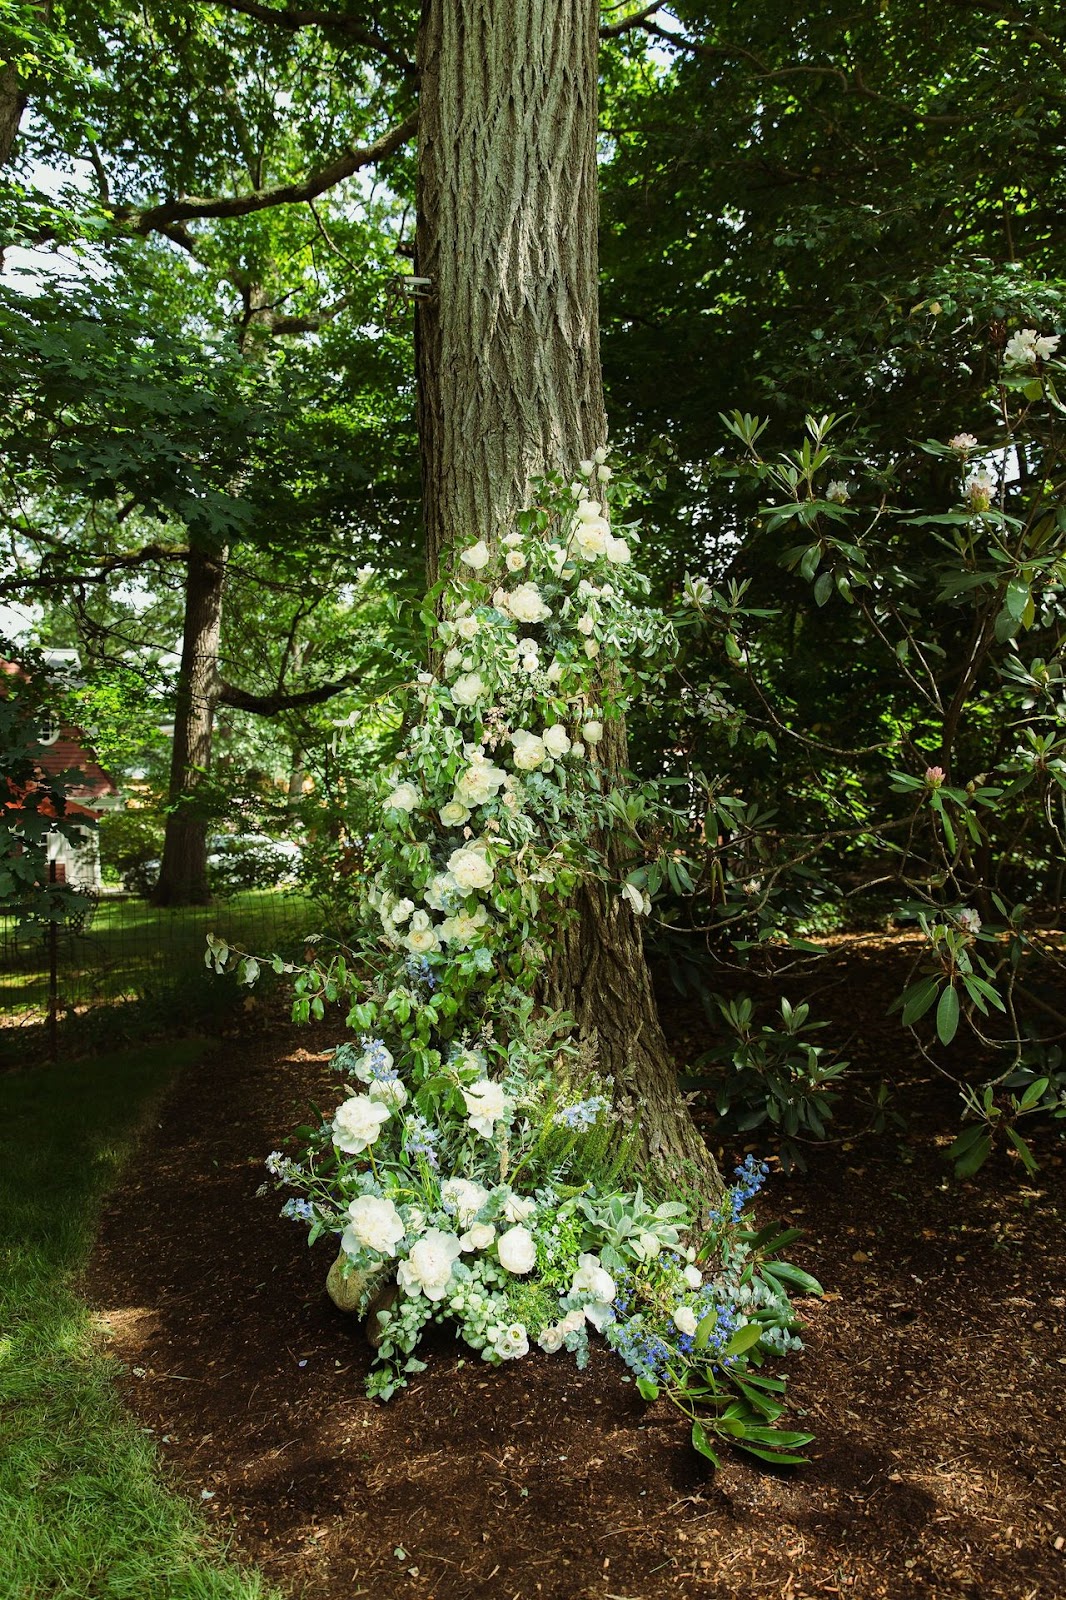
49,729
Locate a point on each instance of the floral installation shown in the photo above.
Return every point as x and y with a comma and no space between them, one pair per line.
477,1172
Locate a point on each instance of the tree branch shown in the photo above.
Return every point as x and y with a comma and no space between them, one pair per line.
160,218
296,17
268,705
42,579
611,30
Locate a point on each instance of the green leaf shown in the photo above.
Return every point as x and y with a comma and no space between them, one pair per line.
1028,1160
918,998
778,1270
701,1443
947,1016
978,1154
744,1338
648,1389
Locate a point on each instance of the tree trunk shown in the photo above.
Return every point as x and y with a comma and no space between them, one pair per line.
509,386
183,874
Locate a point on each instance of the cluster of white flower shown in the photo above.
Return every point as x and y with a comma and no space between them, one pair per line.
1028,349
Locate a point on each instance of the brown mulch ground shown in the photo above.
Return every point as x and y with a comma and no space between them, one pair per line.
934,1375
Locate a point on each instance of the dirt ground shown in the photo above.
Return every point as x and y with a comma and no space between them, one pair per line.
934,1374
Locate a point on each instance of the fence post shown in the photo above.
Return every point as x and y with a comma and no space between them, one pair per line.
53,974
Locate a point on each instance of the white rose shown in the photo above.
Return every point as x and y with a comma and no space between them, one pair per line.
468,689
556,740
516,1250
478,1237
685,1320
599,455
593,1280
514,561
587,468
452,661
577,749
375,1225
528,647
573,1322
485,1105
467,627
428,1268
463,927
357,1123
693,1277
478,555
592,732
589,511
401,910
405,797
512,539
390,1092
591,538
439,896
454,814
603,474
529,751
421,941
480,782
551,1339
464,1198
530,663
470,869
618,552
524,604
518,1209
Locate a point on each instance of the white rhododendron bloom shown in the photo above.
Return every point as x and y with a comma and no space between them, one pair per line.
524,604
518,1253
685,1320
556,740
470,869
592,732
513,1341
485,1104
593,1280
478,556
357,1123
405,797
478,1237
453,815
464,1198
693,1277
551,1339
428,1268
529,751
375,1225
1028,347
468,689
618,551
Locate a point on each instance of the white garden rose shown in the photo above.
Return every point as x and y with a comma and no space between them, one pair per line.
478,556
556,740
428,1268
617,551
479,783
555,672
591,538
592,732
485,1104
530,663
524,604
422,941
376,1225
357,1123
467,627
468,690
685,1320
600,454
589,511
453,660
587,468
518,1208
439,895
529,751
514,561
573,1322
527,647
454,814
463,1197
577,749
470,869
463,927
551,1339
401,910
518,1253
405,797
693,1277
478,1237
512,539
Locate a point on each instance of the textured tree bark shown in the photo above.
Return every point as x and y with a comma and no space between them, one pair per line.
509,386
183,873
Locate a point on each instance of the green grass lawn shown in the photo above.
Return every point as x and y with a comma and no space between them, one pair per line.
83,1511
133,950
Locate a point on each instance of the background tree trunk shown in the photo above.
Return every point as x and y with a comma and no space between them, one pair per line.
183,874
509,386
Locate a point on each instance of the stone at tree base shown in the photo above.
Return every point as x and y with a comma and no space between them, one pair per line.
347,1290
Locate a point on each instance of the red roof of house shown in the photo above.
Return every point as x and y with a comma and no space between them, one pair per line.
71,752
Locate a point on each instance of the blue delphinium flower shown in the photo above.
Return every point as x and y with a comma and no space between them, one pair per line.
298,1210
583,1115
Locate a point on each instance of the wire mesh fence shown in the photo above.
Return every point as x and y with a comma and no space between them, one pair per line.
117,962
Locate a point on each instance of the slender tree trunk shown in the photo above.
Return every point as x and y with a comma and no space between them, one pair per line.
183,874
509,386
